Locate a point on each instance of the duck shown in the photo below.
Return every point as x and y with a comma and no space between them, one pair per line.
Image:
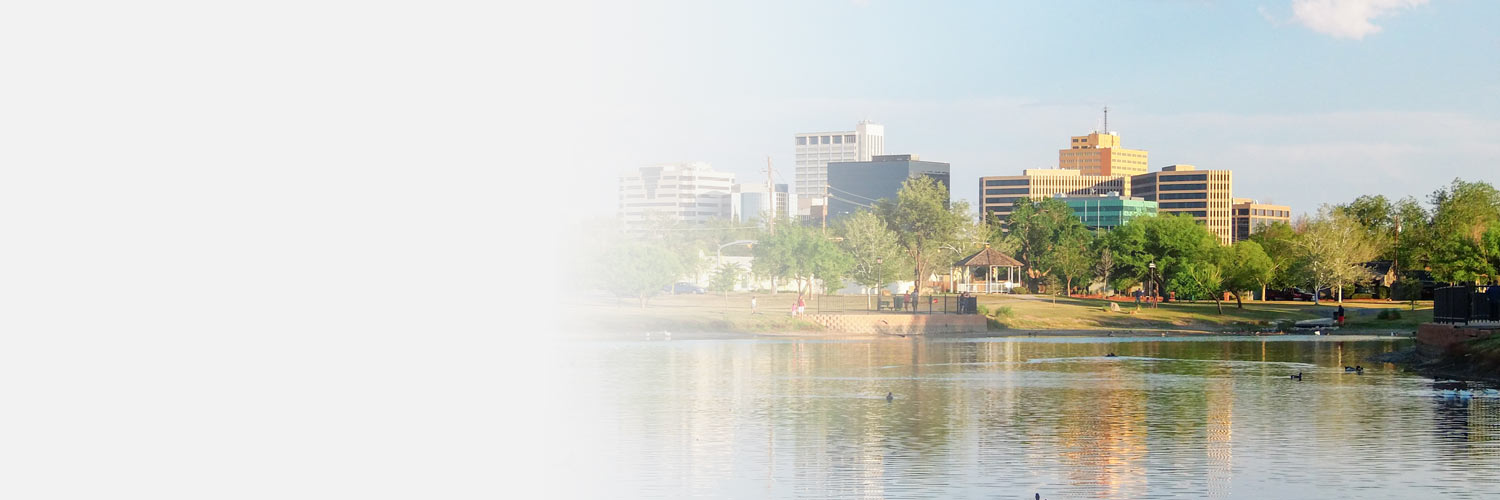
890,397
1298,376
1111,355
1359,369
1348,368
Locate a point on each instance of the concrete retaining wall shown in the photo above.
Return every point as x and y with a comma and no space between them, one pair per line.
900,323
1434,338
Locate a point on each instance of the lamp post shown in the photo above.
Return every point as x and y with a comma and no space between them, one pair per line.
879,280
1153,284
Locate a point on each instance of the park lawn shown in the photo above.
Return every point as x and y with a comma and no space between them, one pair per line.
1069,313
702,313
716,313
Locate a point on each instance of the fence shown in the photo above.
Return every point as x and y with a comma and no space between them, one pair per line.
1466,304
898,304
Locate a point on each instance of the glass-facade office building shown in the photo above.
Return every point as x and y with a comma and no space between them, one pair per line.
859,184
1109,211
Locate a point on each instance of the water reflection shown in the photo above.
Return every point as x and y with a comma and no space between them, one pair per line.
1169,417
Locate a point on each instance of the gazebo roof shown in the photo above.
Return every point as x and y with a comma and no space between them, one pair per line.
988,257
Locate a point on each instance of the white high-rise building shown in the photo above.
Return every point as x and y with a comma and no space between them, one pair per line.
816,149
686,192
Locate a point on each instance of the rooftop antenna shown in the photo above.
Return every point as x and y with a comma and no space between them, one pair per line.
1106,119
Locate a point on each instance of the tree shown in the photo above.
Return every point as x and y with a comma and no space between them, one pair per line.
1461,216
1277,242
1171,242
638,268
1104,266
875,252
922,222
1377,216
1198,280
1035,230
1245,266
724,279
1334,249
801,254
1072,256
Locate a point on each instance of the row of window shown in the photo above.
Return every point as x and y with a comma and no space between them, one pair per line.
1183,187
1007,182
1262,212
826,139
1182,178
1008,191
1182,196
1185,204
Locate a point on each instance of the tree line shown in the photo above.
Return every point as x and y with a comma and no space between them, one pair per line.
1455,238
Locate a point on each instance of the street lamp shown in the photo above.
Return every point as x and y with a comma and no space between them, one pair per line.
1153,284
720,251
879,279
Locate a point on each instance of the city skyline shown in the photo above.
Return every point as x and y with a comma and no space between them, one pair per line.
1247,88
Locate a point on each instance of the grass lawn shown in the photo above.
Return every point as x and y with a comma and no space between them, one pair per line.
1035,312
715,313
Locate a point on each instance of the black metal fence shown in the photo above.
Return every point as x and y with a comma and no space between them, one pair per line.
897,304
1466,304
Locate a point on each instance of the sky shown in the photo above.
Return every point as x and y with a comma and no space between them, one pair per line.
313,245
1307,101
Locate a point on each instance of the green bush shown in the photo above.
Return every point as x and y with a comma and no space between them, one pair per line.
982,309
1389,314
1360,296
1002,312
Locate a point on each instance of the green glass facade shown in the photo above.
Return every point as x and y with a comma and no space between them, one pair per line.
1108,212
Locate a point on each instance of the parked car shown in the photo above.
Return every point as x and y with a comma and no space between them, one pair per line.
1289,294
683,287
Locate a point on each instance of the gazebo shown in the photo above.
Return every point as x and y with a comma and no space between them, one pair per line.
981,272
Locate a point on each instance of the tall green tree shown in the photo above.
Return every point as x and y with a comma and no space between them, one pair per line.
1035,229
802,254
1244,266
1073,256
1171,242
638,268
875,251
1462,213
922,221
1278,242
1377,215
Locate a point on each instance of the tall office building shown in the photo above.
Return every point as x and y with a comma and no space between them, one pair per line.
997,194
753,203
1183,189
1100,154
681,192
1251,216
859,184
816,149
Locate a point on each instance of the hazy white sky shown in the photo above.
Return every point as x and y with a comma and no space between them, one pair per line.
1308,101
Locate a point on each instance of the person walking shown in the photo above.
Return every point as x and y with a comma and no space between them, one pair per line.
801,306
1339,315
752,304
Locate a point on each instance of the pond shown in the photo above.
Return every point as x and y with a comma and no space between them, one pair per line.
1172,417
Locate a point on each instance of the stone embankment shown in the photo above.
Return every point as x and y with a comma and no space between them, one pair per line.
899,324
1434,339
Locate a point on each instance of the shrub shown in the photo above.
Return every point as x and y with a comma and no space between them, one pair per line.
1358,296
1389,314
982,309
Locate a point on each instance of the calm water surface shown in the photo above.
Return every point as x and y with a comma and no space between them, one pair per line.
1008,417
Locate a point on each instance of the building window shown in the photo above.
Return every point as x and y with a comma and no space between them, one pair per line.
849,139
838,139
825,139
801,141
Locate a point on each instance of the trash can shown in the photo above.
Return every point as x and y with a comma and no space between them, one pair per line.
900,302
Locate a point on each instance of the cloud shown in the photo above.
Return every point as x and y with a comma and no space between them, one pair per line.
1346,18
